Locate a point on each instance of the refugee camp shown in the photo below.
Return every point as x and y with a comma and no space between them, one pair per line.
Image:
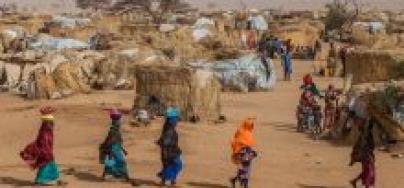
202,93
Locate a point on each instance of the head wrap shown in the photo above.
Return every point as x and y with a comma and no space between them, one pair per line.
243,137
307,80
115,114
171,112
48,117
172,115
46,113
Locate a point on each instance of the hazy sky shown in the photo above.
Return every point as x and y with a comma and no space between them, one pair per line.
231,4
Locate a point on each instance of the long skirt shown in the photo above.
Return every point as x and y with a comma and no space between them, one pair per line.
170,172
368,173
115,163
47,173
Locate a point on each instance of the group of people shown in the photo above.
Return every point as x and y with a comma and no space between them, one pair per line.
311,94
40,156
363,150
269,47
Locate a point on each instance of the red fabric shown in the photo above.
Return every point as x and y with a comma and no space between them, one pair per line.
308,80
368,172
47,110
40,152
307,98
250,40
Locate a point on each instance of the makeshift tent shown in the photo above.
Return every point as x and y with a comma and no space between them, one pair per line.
50,43
66,22
247,73
258,23
202,29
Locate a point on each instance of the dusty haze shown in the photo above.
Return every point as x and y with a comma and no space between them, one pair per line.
63,5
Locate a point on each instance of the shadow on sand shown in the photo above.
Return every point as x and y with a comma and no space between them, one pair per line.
90,177
317,186
206,185
15,182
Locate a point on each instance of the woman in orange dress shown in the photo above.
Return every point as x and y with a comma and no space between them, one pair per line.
242,152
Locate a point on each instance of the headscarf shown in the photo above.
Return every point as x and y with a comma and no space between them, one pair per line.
244,136
115,114
171,116
307,79
168,140
46,113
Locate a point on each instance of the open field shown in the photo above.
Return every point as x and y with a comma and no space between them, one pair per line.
286,159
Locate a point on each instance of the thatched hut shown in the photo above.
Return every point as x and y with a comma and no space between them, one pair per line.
373,66
195,93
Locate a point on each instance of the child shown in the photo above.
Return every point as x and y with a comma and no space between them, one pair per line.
244,158
243,154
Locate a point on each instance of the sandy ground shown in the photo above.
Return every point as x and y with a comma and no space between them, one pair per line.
286,158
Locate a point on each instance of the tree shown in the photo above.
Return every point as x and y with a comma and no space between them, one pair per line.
95,4
165,6
341,15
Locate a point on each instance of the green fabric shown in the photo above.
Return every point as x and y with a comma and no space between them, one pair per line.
47,173
313,88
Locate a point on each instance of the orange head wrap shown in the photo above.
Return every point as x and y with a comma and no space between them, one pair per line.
243,136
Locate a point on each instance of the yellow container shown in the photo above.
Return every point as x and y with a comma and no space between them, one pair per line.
326,72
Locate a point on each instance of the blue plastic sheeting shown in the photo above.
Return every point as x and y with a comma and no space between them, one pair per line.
258,23
245,74
58,44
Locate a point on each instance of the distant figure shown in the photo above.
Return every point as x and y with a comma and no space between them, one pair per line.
170,151
277,45
263,54
39,154
330,110
309,85
363,151
289,45
332,60
286,61
317,50
243,153
343,55
112,153
251,42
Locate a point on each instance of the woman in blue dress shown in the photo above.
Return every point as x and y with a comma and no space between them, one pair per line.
170,151
112,153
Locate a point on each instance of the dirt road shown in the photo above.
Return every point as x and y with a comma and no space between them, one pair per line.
286,158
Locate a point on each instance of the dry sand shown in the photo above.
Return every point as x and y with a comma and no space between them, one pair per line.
286,158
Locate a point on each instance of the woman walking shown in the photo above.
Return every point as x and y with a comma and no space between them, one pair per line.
363,152
286,61
112,151
170,151
243,154
39,154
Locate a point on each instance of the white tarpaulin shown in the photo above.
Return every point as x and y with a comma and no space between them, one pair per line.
247,73
66,22
202,29
50,43
258,23
203,23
